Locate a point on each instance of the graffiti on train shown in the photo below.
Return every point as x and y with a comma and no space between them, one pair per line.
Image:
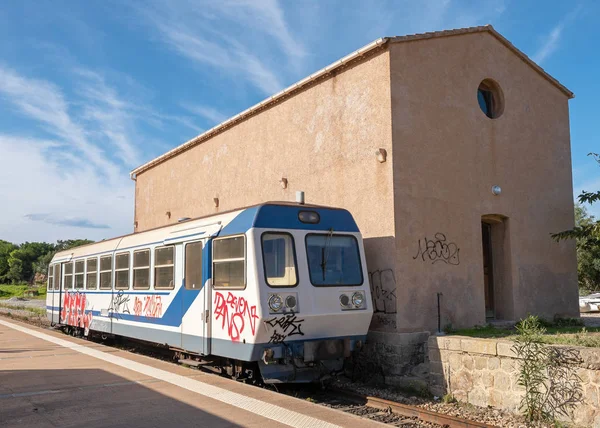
119,304
438,250
236,315
149,306
383,290
75,312
284,327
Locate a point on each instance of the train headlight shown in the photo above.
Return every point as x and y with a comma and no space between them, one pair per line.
291,302
275,302
358,299
344,300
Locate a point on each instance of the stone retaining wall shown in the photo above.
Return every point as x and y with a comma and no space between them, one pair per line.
484,372
394,359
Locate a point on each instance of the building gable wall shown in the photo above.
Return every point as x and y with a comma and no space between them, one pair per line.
447,157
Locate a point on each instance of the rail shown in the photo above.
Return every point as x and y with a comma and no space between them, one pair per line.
410,411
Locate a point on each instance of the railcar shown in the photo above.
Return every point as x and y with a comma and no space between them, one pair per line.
277,291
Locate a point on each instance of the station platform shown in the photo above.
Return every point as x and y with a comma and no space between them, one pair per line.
48,379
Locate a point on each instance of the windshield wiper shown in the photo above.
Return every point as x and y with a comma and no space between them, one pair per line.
325,253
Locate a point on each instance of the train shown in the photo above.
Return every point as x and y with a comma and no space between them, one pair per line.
277,292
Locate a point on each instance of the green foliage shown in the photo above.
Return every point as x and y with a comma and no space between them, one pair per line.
21,263
12,290
587,234
548,374
449,399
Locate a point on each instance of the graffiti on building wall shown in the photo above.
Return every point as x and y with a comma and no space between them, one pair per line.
284,326
383,290
438,249
149,306
75,311
235,314
119,304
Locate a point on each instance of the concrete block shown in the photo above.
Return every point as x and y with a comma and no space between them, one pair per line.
590,395
509,365
453,343
496,399
480,363
493,363
502,381
467,362
455,361
478,346
487,379
590,358
462,381
478,397
504,349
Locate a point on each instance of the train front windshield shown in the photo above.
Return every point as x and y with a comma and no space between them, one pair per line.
333,260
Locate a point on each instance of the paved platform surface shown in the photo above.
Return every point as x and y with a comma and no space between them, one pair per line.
48,379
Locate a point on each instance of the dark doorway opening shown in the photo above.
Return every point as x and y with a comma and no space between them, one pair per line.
488,270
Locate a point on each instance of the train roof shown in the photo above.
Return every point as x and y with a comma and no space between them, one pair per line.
273,215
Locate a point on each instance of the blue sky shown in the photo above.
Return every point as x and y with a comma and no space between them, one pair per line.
90,90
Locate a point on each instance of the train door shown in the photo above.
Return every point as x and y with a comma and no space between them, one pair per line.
193,324
56,306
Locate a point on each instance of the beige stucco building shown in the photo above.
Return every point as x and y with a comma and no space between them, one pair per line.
398,133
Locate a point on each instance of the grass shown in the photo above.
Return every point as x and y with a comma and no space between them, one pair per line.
558,333
18,290
37,311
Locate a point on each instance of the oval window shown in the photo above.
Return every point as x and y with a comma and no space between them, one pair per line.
490,99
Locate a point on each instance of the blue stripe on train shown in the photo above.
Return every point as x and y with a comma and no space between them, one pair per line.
181,303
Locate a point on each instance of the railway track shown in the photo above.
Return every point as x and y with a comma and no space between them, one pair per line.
410,411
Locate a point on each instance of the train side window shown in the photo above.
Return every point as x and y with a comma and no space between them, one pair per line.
164,264
141,270
279,259
68,284
193,266
122,271
79,274
229,262
57,276
51,277
106,273
91,274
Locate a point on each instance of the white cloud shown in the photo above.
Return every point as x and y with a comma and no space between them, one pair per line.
44,102
45,200
198,34
552,40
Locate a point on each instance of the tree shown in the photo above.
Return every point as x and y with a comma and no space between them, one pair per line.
587,234
5,249
588,255
21,261
70,243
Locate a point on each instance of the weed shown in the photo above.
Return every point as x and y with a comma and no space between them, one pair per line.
552,386
449,399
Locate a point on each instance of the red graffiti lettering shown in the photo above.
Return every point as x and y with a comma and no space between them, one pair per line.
137,307
150,307
74,311
234,313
